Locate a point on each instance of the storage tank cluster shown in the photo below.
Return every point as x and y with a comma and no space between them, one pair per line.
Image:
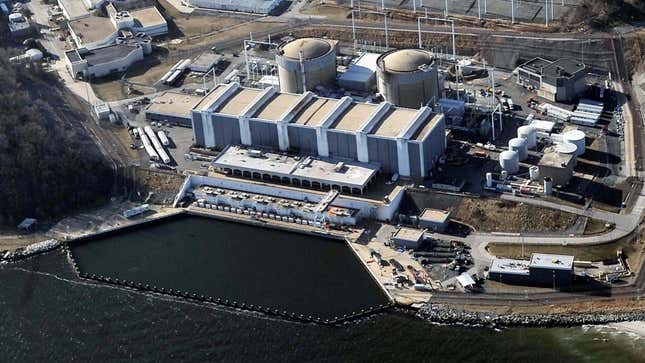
408,77
520,146
306,63
529,133
509,161
577,138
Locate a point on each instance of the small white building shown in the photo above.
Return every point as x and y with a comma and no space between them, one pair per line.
408,237
434,219
361,75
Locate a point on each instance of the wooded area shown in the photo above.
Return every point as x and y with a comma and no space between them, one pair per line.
49,166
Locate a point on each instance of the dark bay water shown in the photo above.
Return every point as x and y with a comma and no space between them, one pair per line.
287,271
47,314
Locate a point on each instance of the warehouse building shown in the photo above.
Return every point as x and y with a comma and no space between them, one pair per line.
558,81
542,270
93,32
404,141
83,63
251,6
172,107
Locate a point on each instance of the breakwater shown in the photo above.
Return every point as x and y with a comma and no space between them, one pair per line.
31,250
445,314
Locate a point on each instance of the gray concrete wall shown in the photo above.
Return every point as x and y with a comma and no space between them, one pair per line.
264,134
342,145
198,131
303,140
226,130
383,151
415,162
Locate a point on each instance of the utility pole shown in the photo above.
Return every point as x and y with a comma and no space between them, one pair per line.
479,9
546,12
387,44
513,11
445,14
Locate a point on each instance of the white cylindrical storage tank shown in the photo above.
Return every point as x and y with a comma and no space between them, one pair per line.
489,180
519,145
577,138
529,133
548,186
534,173
408,77
34,55
309,61
509,161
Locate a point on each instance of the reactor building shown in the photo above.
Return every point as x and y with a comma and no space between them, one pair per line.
306,63
408,77
408,142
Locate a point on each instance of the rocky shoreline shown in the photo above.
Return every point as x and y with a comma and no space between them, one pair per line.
445,314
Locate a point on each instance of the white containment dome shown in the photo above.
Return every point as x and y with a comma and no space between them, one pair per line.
308,61
509,161
577,138
529,133
520,146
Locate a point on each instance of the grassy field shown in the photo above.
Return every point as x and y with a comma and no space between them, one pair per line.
630,246
491,214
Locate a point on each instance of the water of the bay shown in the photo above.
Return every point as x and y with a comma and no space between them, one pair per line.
48,314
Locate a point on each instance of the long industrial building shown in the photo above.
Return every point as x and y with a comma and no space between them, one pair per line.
404,141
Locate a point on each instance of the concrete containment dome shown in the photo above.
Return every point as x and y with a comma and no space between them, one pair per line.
577,138
310,47
408,77
405,60
316,68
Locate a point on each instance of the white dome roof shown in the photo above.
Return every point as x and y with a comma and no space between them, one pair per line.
406,60
310,47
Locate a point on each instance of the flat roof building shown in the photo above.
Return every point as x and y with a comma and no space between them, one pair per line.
561,80
317,173
408,237
558,163
404,141
434,219
542,269
173,107
86,63
205,62
361,75
250,6
97,31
